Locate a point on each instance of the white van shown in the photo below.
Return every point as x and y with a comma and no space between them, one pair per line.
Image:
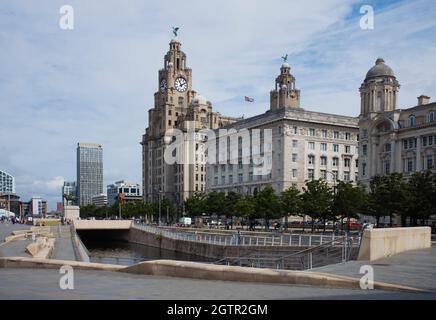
186,221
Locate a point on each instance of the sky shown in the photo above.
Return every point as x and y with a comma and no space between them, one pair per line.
95,83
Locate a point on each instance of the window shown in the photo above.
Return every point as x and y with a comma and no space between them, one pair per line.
295,130
250,176
215,181
323,161
312,145
335,162
335,148
169,122
336,134
431,116
230,178
323,146
357,163
324,133
430,140
364,150
240,177
223,179
424,141
363,169
429,162
347,149
223,168
294,143
311,159
346,163
335,175
387,147
294,157
346,176
311,174
323,174
294,173
409,163
365,133
311,132
411,120
347,136
387,167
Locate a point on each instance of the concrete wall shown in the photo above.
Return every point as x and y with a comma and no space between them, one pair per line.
102,224
380,243
206,250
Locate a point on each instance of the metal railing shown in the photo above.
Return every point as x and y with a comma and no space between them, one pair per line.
241,239
338,250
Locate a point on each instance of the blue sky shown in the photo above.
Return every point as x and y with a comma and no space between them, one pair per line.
95,83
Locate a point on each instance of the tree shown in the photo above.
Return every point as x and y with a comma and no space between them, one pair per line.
196,204
231,199
268,204
317,200
348,201
421,197
245,207
216,203
291,202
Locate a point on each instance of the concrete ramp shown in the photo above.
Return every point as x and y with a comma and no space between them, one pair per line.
102,224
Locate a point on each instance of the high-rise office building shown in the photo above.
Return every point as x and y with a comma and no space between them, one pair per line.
7,182
89,172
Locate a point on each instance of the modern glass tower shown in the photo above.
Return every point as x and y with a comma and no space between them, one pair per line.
89,172
7,182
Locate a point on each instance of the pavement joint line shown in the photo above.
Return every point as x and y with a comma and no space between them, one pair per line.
163,268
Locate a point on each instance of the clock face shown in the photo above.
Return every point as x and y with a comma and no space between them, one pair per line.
163,85
181,84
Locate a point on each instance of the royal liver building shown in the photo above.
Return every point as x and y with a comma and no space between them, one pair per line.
176,106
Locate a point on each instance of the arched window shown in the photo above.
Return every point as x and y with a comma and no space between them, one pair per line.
431,116
181,102
411,120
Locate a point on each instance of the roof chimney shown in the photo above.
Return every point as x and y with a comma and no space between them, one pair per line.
422,100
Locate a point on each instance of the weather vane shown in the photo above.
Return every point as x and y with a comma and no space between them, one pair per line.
175,29
285,58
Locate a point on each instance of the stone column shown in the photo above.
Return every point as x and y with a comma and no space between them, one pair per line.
418,166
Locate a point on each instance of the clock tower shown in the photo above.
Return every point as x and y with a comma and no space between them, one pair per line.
175,106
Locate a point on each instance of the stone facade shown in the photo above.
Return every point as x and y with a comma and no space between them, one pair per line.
176,106
305,145
391,139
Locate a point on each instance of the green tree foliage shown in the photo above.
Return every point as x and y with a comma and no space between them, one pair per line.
268,205
216,203
196,204
421,197
291,202
348,201
317,200
246,208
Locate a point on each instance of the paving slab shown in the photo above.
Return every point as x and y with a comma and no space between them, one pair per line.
416,268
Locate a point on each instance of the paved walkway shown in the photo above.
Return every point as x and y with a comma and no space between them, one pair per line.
44,284
63,248
415,268
13,248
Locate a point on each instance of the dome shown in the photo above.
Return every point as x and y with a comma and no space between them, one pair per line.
175,40
285,65
380,70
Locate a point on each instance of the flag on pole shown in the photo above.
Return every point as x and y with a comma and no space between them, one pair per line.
248,99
